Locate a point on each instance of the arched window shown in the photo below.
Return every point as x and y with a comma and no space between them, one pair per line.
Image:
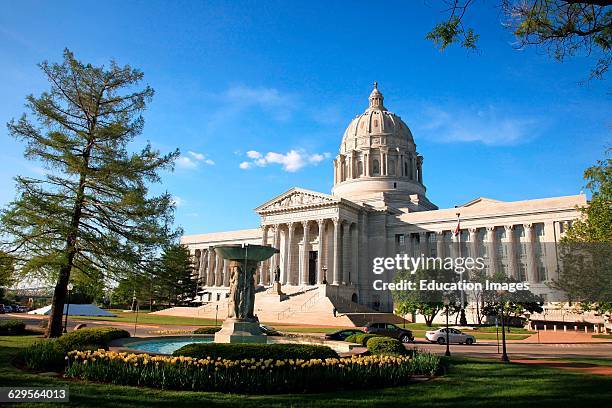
391,167
375,167
360,168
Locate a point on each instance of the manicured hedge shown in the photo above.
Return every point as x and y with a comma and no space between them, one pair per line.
98,338
206,330
50,354
243,351
385,346
252,376
11,327
364,337
352,338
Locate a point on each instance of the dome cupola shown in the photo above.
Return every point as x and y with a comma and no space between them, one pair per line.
378,159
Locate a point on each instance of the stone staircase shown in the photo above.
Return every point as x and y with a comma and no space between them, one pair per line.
304,305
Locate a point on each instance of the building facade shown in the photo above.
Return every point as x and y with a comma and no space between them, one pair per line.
378,207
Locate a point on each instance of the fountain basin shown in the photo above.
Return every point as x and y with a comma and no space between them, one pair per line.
251,253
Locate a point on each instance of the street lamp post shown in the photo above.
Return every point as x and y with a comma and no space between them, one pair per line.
70,287
504,357
446,305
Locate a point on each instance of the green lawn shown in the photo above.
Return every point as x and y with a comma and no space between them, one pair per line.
603,336
147,318
469,383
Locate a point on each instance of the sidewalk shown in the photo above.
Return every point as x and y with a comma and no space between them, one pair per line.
551,337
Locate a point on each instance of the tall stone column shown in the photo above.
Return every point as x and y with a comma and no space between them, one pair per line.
440,244
530,253
337,252
550,252
226,273
335,171
366,164
219,271
511,242
210,279
265,265
305,253
382,161
321,251
289,273
473,242
423,244
346,242
355,254
269,278
492,250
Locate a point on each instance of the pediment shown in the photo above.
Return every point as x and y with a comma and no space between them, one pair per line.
480,201
297,198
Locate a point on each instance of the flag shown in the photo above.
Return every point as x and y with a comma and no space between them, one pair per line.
458,229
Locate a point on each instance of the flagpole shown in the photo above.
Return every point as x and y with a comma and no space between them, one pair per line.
462,319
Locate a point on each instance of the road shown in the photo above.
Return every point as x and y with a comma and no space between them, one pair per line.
523,350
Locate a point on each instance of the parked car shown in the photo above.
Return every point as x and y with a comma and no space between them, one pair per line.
390,330
2,309
454,336
21,309
8,309
341,335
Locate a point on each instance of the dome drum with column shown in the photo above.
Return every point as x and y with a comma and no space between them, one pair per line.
378,155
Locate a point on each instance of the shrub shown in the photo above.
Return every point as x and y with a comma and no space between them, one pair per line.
11,327
385,346
96,338
352,338
45,355
50,354
423,363
206,330
244,376
256,351
364,337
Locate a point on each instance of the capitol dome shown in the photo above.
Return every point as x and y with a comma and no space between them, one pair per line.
378,162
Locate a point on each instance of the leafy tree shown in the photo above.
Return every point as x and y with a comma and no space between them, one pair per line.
7,269
508,304
92,209
586,248
427,303
564,28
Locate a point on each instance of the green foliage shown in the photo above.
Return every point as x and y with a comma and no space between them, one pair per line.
352,338
425,363
174,280
251,376
426,302
362,338
511,304
50,354
385,346
564,28
257,351
92,210
44,355
99,338
11,327
586,249
206,330
7,269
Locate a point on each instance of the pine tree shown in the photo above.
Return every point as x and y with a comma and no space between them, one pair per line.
92,209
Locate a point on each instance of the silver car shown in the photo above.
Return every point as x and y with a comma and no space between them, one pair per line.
454,336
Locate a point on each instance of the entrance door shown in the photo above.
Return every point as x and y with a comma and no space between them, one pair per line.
312,268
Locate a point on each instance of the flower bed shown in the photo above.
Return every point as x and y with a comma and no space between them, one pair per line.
244,376
241,351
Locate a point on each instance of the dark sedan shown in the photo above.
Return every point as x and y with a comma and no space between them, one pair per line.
390,330
342,334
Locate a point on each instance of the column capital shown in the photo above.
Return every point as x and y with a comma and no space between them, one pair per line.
423,233
264,227
490,228
509,227
336,221
291,226
439,233
321,221
305,225
528,225
473,230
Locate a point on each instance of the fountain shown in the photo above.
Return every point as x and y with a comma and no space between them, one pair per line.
242,325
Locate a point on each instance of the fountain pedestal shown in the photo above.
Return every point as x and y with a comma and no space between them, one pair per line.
241,325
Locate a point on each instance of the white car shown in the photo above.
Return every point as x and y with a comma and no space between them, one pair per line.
454,336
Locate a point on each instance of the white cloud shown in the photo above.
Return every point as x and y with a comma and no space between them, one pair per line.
291,161
191,160
178,201
488,126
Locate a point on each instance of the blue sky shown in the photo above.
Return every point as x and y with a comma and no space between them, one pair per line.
287,77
